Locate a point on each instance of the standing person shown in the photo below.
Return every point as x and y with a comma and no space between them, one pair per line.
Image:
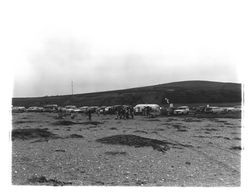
60,114
117,114
89,114
122,113
144,111
131,111
126,113
148,111
98,112
72,115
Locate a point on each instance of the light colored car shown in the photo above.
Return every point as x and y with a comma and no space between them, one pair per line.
50,108
70,108
84,109
102,109
215,109
35,109
232,109
182,110
93,108
18,109
77,110
229,109
237,109
108,108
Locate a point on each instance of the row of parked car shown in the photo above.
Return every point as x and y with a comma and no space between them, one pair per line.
51,108
215,109
68,108
138,109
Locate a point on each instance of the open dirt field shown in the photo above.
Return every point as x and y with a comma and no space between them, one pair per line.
163,151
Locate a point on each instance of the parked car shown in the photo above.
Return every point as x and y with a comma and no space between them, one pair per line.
215,109
61,109
102,109
18,109
70,108
181,110
93,108
229,109
108,109
50,108
237,109
84,109
35,109
77,110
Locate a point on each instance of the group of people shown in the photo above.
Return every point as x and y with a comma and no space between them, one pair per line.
122,112
146,111
125,113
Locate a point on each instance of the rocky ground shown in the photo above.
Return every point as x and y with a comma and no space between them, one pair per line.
162,151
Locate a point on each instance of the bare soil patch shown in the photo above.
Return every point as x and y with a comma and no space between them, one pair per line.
74,136
192,120
60,150
23,122
138,141
226,138
152,119
182,130
33,133
115,153
211,129
236,148
42,180
160,129
68,122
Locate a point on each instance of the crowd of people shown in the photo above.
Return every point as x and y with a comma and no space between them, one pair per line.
125,113
146,111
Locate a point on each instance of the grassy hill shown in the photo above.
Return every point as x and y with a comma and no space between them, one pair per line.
178,92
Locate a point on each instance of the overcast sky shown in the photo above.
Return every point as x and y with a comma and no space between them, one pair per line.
104,45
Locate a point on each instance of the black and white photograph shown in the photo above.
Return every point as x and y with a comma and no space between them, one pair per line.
126,93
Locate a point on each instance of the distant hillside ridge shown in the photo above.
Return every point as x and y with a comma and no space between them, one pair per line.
177,92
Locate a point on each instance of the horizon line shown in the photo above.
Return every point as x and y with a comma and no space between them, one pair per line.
124,88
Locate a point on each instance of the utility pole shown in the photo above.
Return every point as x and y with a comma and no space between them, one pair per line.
72,87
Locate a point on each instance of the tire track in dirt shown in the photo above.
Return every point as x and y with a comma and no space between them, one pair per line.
209,157
213,145
206,143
